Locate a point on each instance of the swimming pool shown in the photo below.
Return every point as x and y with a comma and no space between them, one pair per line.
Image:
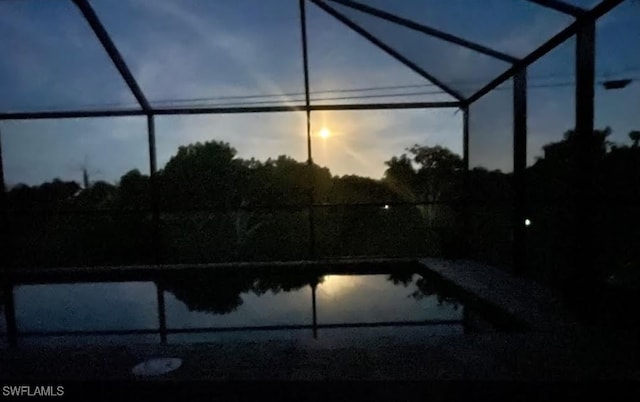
327,303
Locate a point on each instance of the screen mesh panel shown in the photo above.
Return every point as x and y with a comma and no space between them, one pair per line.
241,53
490,176
513,27
463,70
344,67
53,61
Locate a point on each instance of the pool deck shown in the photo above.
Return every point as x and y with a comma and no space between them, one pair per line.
553,348
537,306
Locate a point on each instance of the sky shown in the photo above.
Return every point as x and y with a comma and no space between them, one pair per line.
193,52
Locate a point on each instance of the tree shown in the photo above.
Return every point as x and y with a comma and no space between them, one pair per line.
431,175
49,195
285,282
202,175
99,195
133,191
635,137
210,292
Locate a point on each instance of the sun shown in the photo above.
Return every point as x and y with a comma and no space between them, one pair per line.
334,285
325,133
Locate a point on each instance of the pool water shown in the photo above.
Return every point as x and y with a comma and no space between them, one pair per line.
215,308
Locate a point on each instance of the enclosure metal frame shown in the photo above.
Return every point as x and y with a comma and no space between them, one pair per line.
582,27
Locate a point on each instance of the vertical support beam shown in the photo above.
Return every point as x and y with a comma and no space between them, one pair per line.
583,270
465,137
10,314
519,170
153,188
466,186
305,65
4,217
313,306
162,314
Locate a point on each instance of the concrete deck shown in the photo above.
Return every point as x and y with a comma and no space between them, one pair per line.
555,348
516,357
538,307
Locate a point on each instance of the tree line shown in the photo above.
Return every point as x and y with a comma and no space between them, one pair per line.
216,206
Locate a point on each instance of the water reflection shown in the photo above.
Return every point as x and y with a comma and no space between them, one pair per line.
88,340
374,298
86,306
187,306
225,293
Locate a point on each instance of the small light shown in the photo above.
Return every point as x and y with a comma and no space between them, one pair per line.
527,222
386,206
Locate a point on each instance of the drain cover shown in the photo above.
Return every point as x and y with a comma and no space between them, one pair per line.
156,367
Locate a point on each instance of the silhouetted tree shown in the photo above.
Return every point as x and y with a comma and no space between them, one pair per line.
635,137
134,191
210,292
202,175
99,195
47,196
285,282
221,293
432,176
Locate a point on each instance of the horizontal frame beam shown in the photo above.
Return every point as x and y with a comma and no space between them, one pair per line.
197,330
71,114
251,208
427,30
560,6
146,273
602,8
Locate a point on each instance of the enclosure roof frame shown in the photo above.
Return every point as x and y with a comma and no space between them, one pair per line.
581,16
